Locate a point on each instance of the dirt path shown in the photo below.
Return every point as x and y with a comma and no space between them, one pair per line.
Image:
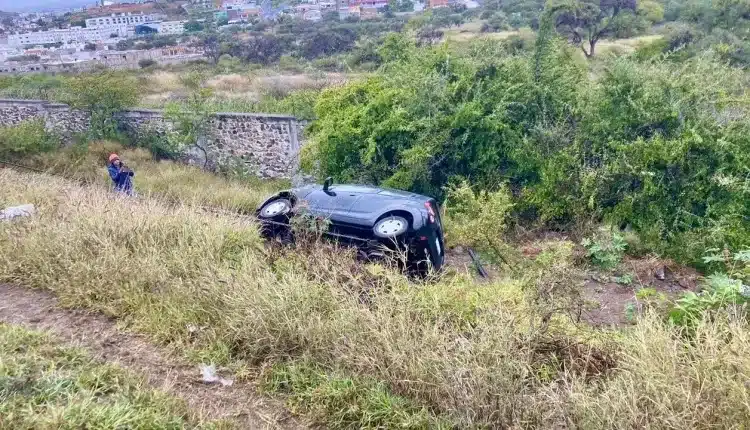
99,334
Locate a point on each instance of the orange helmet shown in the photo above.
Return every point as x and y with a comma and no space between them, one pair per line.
113,157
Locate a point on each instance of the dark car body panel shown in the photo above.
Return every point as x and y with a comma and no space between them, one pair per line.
353,211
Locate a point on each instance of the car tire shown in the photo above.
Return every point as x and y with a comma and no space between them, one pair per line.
275,209
390,227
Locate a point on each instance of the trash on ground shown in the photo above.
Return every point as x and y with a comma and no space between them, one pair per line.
17,211
210,376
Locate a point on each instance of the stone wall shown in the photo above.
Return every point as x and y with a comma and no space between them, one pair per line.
57,117
266,144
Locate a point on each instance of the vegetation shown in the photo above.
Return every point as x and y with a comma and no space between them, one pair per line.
44,384
102,95
478,220
589,21
25,139
361,345
637,145
515,136
169,182
24,58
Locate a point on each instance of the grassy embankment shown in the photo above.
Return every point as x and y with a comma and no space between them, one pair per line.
360,346
171,182
45,385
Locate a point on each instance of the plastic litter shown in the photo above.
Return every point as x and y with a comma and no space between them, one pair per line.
17,211
210,376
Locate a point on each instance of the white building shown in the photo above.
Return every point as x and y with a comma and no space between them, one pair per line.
172,27
126,19
67,35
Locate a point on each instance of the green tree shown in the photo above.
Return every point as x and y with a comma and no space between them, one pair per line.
401,5
102,95
585,22
193,26
651,10
190,117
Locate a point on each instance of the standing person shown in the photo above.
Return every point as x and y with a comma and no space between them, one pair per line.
121,175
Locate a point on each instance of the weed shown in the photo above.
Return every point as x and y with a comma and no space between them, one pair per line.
479,220
625,279
46,385
631,312
719,292
605,248
25,139
344,402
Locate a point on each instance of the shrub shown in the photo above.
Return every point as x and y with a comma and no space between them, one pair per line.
27,138
146,63
606,248
102,95
478,219
725,288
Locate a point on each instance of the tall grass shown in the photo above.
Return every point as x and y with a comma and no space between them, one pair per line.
166,180
388,351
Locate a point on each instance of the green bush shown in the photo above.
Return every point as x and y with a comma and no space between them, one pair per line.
26,138
478,220
720,291
102,95
606,248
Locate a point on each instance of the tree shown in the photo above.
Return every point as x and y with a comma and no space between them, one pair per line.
329,42
585,22
89,47
262,49
212,47
102,95
193,26
146,62
124,45
190,117
401,5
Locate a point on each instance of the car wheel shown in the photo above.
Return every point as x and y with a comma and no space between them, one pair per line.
391,226
275,209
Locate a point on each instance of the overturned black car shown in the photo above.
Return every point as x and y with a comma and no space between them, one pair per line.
371,218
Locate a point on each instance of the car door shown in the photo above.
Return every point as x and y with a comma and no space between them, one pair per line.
333,204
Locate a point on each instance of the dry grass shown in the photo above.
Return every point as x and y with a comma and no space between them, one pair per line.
171,182
493,354
625,46
161,87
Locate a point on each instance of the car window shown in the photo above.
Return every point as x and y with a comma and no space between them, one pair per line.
392,193
354,189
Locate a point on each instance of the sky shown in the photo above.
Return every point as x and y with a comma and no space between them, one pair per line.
38,5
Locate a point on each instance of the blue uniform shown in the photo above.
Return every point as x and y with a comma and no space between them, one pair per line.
123,181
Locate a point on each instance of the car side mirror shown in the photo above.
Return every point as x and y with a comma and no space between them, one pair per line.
327,184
